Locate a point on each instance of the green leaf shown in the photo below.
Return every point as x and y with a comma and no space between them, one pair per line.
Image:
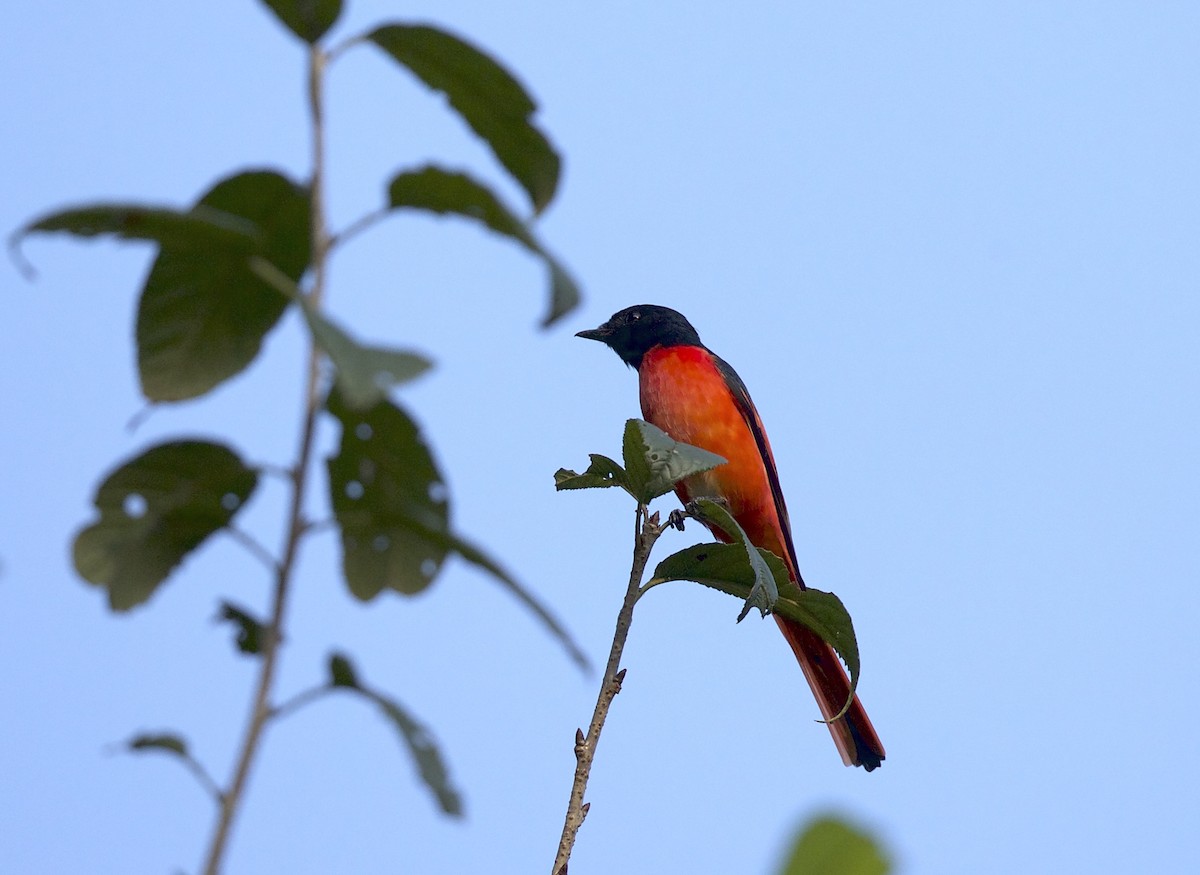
655,462
416,736
165,742
341,672
203,312
195,229
443,191
830,846
425,751
472,554
727,568
764,592
601,473
387,494
250,630
363,373
487,96
154,510
307,19
391,504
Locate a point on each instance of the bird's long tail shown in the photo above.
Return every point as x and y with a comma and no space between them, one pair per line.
852,733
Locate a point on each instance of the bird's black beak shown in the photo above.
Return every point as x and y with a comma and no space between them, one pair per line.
601,334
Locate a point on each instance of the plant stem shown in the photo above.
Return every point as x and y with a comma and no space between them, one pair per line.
260,710
645,533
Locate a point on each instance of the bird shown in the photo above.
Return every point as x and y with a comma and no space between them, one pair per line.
697,398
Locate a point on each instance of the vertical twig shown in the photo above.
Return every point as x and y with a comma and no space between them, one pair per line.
260,710
646,532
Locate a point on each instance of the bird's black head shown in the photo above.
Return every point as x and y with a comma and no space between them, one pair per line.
634,331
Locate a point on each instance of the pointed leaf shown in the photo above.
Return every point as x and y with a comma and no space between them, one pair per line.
727,568
154,510
341,672
250,631
425,751
764,592
472,554
487,96
198,228
603,472
443,191
307,19
830,846
364,373
204,313
165,742
387,494
416,736
656,462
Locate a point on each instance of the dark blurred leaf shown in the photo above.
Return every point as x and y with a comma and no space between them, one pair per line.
425,751
420,743
168,743
727,568
472,554
250,630
655,462
829,846
198,228
307,19
154,510
601,473
341,671
364,373
764,592
392,506
387,494
204,313
488,98
443,191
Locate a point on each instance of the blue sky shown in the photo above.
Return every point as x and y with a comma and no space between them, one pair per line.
951,250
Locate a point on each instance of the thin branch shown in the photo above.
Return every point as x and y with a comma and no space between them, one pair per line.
206,780
298,701
646,532
358,226
254,548
260,710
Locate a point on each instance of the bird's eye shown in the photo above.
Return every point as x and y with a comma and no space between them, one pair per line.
635,315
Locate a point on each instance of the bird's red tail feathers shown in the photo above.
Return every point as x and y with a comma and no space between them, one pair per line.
852,733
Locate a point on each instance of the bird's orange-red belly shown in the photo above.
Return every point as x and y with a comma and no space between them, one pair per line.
684,394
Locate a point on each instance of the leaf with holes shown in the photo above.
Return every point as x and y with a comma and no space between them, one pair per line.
154,510
204,312
307,19
387,494
601,473
655,462
446,192
488,97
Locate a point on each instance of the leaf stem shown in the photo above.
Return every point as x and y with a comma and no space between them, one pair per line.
260,710
646,531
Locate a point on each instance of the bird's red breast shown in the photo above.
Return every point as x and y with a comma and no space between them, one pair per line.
684,392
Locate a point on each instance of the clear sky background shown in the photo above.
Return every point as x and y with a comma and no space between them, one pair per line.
952,248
